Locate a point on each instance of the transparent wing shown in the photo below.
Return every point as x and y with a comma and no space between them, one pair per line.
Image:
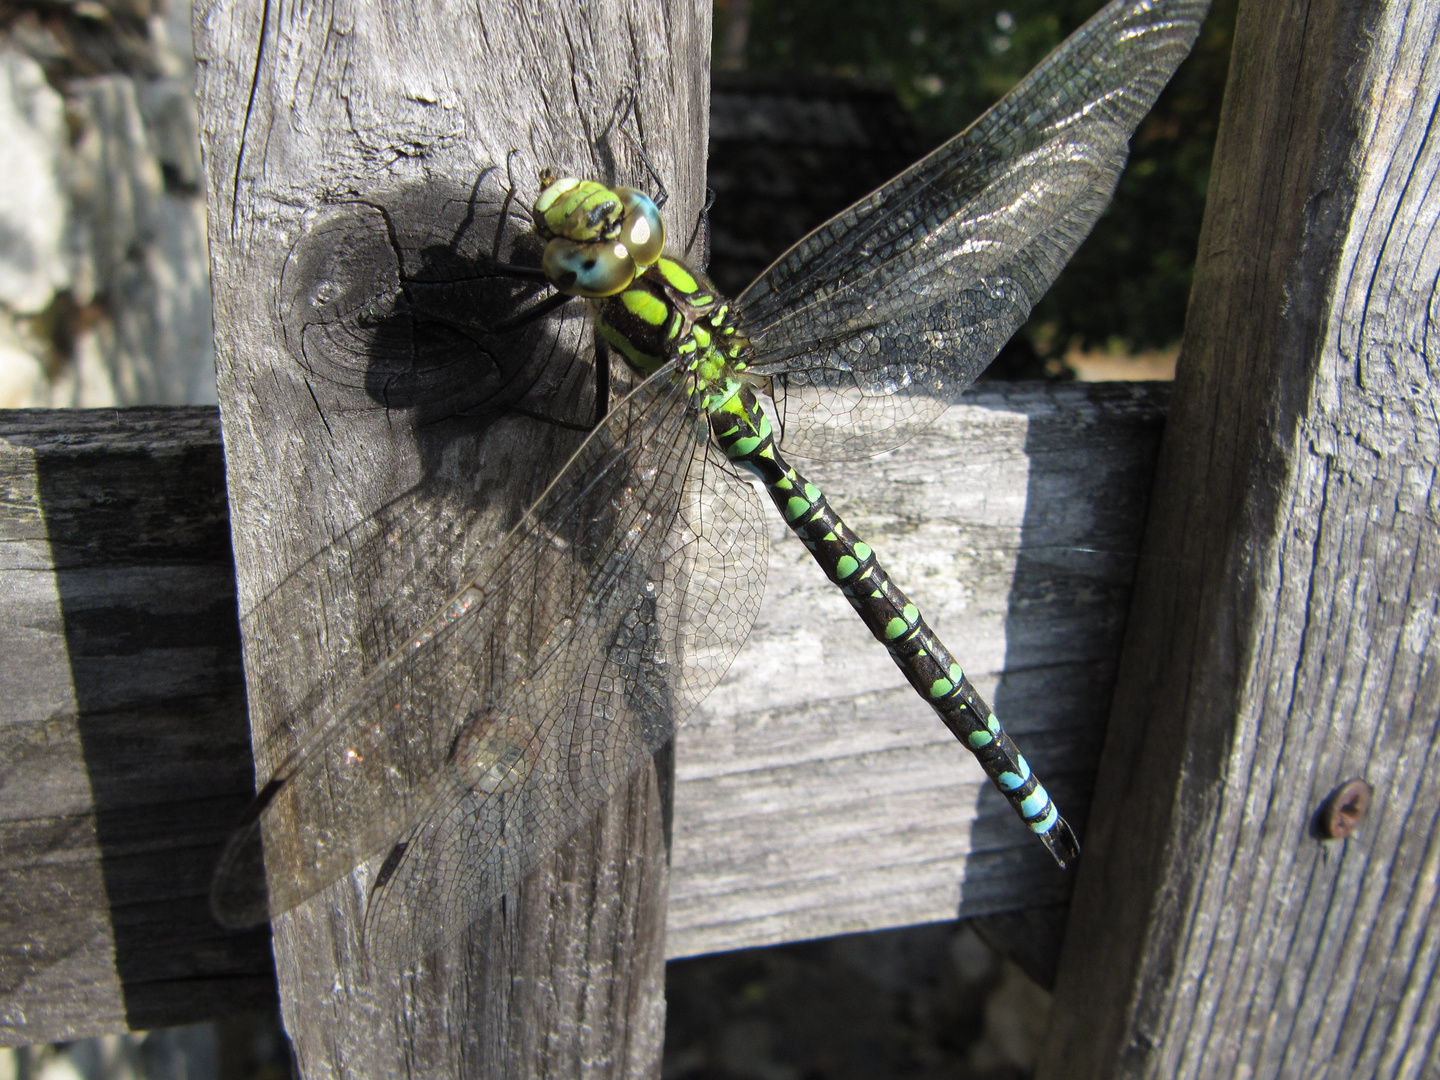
880,317
719,563
672,644
502,685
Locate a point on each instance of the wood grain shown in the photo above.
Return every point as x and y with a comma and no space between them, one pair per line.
124,753
1282,635
343,145
794,818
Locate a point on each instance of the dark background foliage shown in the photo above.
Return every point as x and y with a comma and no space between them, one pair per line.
948,60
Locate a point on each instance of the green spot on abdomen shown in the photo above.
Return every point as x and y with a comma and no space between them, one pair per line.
845,566
744,447
796,507
1034,802
898,626
940,687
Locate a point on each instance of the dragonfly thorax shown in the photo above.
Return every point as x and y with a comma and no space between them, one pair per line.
672,312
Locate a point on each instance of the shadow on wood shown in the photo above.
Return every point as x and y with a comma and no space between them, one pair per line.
125,746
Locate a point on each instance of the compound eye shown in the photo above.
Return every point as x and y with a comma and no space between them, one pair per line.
643,230
593,270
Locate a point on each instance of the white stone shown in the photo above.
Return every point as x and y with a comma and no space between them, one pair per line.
23,384
141,247
33,204
94,372
102,200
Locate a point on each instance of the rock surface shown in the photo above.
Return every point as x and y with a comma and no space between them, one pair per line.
104,284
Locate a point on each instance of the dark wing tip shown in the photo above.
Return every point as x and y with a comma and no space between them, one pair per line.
239,898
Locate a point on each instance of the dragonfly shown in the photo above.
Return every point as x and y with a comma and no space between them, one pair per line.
614,606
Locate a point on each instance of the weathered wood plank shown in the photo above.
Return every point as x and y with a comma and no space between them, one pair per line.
123,743
1282,637
368,452
832,801
1017,519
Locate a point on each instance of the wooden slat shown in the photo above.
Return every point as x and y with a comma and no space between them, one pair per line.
342,149
1283,633
843,808
124,752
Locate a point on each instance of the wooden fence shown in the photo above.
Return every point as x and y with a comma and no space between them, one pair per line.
796,815
1280,638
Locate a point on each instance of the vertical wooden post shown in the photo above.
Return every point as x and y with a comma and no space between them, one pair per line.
375,441
1283,638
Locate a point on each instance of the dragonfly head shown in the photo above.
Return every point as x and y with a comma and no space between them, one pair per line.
597,238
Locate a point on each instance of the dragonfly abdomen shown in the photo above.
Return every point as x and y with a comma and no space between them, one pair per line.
744,433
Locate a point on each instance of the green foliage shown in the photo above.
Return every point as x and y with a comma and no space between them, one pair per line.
948,60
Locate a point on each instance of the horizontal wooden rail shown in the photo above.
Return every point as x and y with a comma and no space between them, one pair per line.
124,745
815,794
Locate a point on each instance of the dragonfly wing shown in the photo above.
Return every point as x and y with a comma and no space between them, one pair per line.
912,291
843,416
485,691
684,624
721,554
484,838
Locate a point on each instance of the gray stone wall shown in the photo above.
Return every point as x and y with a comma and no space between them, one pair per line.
104,278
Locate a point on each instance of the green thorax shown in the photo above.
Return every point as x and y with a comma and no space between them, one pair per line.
672,311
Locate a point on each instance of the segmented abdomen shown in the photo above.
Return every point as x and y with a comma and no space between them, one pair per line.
744,433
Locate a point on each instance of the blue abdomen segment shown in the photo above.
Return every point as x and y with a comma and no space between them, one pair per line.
743,432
